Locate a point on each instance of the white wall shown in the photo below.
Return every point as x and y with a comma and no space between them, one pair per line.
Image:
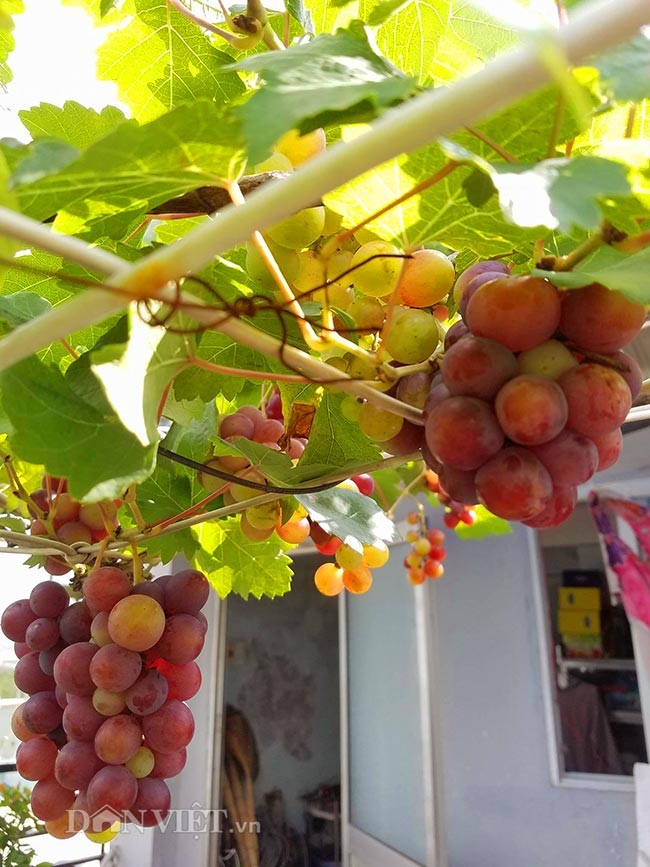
501,809
284,677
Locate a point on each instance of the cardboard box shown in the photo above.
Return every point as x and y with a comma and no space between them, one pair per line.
582,598
583,621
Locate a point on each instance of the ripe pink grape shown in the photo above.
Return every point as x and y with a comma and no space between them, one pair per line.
184,680
492,266
74,624
598,399
42,633
477,367
154,589
514,485
48,599
186,592
80,719
147,694
454,334
169,728
631,373
113,787
531,409
103,588
35,759
459,484
414,389
50,800
562,504
76,765
29,677
169,764
463,432
115,669
237,425
519,312
598,319
74,531
99,629
72,668
42,713
16,618
136,623
118,739
570,458
152,803
406,442
609,446
181,641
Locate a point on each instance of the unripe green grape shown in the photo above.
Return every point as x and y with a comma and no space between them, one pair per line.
287,261
411,335
379,276
299,230
300,148
141,764
265,516
361,368
332,222
311,273
277,162
337,295
348,557
211,483
351,408
550,359
338,263
379,424
108,703
240,493
368,313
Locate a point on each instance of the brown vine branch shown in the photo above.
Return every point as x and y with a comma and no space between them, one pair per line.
502,152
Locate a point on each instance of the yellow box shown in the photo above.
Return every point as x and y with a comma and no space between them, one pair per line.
583,598
574,620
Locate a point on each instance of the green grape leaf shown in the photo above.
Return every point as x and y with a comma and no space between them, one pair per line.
74,435
392,481
297,10
22,307
7,200
105,6
559,194
121,176
425,22
134,375
233,563
72,123
486,524
159,59
626,273
161,496
625,70
334,441
8,8
42,158
349,515
218,348
194,437
335,78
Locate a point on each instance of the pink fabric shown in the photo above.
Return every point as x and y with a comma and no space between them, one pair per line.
633,572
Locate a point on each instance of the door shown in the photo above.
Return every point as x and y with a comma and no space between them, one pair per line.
389,816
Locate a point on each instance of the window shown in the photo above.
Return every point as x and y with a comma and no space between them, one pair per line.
595,713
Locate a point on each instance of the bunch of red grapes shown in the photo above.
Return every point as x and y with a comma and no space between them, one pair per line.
107,677
57,515
427,552
532,392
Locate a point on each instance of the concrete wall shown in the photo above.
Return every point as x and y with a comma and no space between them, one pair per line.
501,809
282,672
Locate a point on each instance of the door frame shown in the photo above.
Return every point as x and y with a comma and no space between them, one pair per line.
356,842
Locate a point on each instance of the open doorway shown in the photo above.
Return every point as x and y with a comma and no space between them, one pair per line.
281,756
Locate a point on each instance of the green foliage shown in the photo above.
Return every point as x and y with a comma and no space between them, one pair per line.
486,524
17,821
8,8
337,78
627,274
233,563
88,407
134,168
161,60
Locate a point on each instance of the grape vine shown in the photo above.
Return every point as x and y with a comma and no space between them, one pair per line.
235,324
